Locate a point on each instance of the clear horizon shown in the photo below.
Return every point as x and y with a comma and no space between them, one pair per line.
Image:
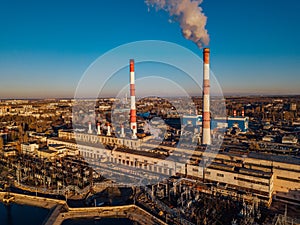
138,97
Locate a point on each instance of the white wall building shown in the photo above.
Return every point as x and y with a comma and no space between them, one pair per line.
29,149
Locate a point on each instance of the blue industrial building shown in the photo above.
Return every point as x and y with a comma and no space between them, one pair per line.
228,122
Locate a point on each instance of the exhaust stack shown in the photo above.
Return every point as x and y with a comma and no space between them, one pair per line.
98,129
206,137
122,131
90,128
133,125
108,130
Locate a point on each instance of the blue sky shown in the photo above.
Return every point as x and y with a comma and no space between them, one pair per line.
45,46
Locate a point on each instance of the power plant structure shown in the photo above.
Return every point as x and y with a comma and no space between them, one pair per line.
133,124
206,130
205,117
206,136
258,174
203,123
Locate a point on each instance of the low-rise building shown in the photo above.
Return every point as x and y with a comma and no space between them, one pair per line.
289,139
29,148
45,153
269,138
9,152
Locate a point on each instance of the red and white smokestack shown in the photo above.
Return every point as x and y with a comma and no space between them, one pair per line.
122,135
90,128
206,138
234,113
243,113
108,130
98,129
133,125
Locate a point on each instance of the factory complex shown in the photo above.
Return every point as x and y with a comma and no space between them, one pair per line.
172,163
241,172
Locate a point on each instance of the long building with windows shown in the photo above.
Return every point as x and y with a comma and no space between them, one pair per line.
262,175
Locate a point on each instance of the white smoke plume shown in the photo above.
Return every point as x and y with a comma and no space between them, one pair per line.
190,16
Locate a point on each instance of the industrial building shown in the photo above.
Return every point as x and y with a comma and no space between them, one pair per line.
229,122
261,175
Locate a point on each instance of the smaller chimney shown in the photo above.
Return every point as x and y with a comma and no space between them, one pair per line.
98,129
122,131
90,128
108,130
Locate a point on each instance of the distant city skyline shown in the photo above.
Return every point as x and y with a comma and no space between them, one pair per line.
45,47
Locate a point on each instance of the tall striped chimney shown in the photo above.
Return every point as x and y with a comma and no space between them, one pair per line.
206,138
133,125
